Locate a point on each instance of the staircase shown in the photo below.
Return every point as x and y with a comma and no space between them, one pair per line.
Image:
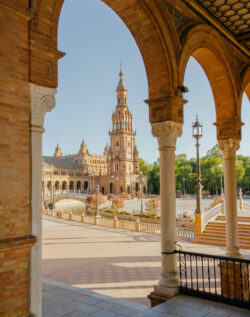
215,232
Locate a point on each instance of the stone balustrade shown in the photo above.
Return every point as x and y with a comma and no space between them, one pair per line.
183,233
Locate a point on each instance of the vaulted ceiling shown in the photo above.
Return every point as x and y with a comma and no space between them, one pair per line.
233,15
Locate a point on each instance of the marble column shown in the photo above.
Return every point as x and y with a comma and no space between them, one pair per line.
167,133
42,101
229,148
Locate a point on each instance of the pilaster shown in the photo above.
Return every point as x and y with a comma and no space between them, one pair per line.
42,101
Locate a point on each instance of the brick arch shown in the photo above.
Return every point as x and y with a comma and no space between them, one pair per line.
156,39
245,86
206,46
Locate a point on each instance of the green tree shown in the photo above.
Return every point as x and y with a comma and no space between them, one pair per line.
214,152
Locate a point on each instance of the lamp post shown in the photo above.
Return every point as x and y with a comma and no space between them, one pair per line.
117,186
53,196
97,200
93,182
112,177
141,178
197,134
221,182
183,180
89,182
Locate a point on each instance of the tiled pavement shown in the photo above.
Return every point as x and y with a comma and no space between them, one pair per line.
65,300
68,301
113,262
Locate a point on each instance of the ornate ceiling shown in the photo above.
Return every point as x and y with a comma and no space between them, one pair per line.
234,15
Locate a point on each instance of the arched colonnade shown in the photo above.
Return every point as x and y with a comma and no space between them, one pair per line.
166,45
165,54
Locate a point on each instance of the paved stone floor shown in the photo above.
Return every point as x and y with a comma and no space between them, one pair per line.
117,263
65,300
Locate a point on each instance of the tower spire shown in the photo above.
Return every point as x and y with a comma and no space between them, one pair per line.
121,90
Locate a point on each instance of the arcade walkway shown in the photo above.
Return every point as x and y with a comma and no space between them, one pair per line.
64,300
118,263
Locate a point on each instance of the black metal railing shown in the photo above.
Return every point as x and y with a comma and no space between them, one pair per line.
214,277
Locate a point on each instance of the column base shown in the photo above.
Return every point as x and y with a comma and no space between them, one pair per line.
199,223
157,299
233,252
167,288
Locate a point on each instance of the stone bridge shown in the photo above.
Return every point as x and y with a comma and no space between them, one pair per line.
48,201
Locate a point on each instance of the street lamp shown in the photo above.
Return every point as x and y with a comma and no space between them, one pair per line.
183,179
112,187
89,182
53,196
221,183
197,134
117,186
97,200
141,179
93,183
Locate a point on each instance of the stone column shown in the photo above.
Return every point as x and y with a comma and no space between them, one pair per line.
42,101
229,148
167,133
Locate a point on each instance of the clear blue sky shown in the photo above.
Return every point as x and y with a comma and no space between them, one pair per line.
95,40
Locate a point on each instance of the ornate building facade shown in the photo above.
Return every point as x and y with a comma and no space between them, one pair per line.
116,171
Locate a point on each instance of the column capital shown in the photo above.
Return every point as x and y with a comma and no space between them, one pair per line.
42,101
166,133
168,107
229,147
230,129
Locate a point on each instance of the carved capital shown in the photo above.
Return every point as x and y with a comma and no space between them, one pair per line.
229,129
166,133
229,148
42,101
166,108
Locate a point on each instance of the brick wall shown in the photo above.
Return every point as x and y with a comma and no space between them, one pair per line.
14,159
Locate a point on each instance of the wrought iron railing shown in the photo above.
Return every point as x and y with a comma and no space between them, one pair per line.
215,277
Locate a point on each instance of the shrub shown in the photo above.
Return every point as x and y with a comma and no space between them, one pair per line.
153,206
110,197
117,203
216,201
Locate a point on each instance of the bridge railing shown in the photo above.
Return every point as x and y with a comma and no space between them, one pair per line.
212,213
65,195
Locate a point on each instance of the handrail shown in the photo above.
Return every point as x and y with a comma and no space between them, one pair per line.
216,277
212,213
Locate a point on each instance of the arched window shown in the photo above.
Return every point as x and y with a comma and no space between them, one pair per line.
64,185
136,187
78,185
71,185
128,189
111,188
85,185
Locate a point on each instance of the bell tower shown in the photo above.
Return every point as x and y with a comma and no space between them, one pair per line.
58,151
122,159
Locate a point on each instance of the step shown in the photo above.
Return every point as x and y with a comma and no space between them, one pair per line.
219,231
242,246
223,225
240,218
